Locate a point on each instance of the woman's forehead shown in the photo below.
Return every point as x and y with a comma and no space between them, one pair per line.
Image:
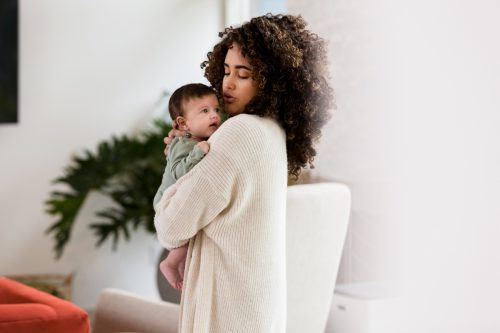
234,58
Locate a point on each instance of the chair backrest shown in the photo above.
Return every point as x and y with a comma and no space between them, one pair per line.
317,219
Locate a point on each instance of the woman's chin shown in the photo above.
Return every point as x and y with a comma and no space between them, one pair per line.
233,111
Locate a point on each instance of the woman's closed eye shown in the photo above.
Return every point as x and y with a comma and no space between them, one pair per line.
240,76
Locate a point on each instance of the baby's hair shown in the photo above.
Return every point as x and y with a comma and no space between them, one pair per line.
184,94
290,70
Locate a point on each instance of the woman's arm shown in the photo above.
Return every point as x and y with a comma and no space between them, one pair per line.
196,199
187,207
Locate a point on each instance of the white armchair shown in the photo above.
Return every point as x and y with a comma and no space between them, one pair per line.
122,311
317,219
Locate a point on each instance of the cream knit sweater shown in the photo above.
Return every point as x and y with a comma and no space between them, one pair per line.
231,209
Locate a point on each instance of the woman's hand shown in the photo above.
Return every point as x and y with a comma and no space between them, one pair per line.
174,132
204,146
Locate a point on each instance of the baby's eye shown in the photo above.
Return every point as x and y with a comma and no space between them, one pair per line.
204,110
217,110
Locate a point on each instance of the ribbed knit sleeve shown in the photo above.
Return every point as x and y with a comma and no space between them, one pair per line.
187,207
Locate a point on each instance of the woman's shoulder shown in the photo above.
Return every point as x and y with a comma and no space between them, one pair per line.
246,118
249,123
246,131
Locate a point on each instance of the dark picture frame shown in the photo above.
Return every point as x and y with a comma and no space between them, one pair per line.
9,72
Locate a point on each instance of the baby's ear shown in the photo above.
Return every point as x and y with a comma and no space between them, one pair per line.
181,123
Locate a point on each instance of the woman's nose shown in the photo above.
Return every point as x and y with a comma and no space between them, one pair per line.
228,82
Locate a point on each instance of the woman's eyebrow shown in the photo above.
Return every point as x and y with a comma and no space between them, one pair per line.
239,67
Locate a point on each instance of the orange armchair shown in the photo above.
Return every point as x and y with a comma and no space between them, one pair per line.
26,309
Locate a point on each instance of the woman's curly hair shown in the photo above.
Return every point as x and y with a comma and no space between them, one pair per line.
290,70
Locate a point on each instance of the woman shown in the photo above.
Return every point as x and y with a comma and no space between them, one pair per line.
271,74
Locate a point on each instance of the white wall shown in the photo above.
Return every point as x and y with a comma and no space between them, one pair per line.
451,185
360,145
416,138
90,69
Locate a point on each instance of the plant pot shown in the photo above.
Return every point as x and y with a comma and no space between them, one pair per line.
167,292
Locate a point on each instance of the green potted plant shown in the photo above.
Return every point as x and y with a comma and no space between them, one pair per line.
128,169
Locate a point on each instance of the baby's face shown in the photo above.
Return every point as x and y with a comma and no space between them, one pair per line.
202,116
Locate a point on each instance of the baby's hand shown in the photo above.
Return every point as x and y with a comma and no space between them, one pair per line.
203,145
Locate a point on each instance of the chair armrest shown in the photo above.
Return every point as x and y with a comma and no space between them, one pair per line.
118,310
26,309
26,312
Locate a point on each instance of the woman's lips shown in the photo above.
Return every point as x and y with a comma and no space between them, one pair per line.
228,99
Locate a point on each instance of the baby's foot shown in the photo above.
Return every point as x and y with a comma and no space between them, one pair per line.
172,275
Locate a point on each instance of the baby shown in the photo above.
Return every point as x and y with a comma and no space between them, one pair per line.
194,108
